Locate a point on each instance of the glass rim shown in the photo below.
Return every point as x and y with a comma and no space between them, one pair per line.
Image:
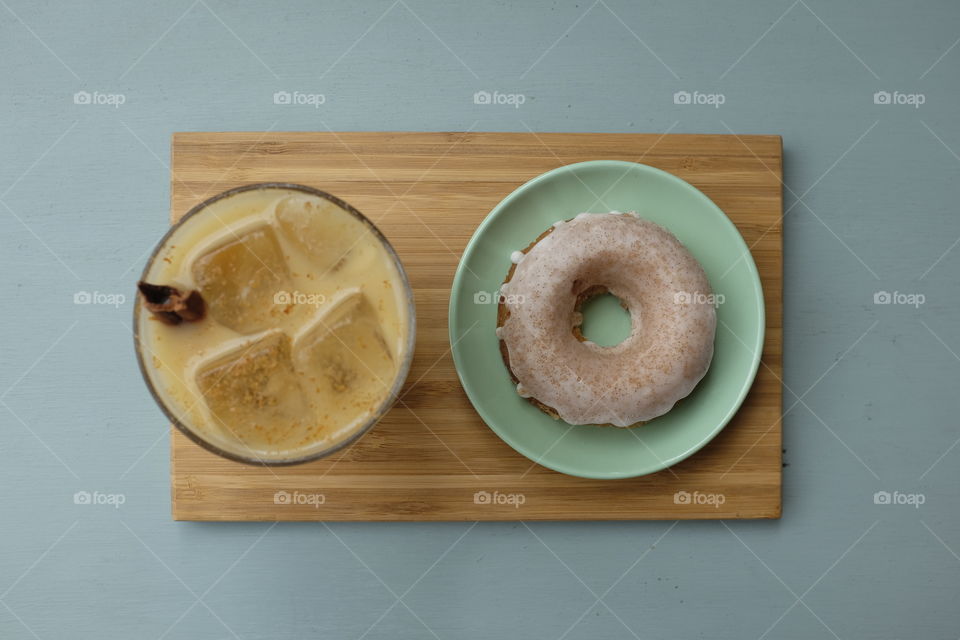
404,369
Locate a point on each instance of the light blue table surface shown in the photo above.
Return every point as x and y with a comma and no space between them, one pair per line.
871,193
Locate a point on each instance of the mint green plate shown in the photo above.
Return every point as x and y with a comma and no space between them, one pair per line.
601,186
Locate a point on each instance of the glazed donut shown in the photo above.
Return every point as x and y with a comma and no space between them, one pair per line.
673,320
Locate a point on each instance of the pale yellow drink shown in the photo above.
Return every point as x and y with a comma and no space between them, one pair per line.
307,332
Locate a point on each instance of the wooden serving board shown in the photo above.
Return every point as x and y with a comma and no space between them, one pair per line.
428,192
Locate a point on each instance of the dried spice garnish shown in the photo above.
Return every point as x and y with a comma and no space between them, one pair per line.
170,305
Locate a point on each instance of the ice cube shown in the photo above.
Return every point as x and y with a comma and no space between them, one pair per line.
345,361
329,235
254,394
243,281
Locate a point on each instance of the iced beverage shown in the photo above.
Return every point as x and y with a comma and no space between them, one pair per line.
275,324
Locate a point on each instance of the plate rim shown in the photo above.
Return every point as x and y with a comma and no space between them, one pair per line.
746,256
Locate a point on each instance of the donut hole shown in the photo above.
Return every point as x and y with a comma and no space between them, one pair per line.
604,319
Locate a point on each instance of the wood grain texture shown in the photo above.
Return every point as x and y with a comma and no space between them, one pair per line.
428,192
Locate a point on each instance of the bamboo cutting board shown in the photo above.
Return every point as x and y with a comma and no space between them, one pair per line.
436,460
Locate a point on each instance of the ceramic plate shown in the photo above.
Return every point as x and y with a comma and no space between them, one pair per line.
598,187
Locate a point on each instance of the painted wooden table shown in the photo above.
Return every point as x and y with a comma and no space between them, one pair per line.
869,393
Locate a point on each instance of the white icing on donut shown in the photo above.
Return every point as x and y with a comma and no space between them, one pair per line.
516,257
670,345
